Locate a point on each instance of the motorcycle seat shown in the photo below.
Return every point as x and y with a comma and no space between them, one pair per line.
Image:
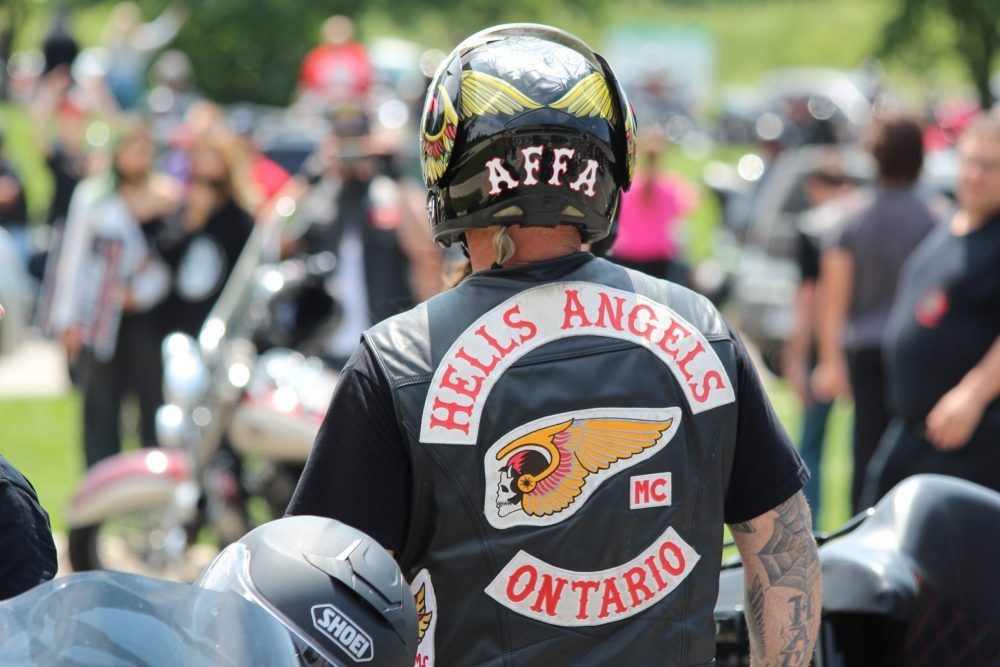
930,531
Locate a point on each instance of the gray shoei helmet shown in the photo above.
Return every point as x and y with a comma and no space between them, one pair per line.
339,593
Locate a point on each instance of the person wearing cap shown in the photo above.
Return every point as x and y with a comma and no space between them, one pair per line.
552,447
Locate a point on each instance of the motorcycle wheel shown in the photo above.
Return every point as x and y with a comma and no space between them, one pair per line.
134,543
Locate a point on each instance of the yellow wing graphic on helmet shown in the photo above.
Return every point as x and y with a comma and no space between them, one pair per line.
423,616
484,94
589,97
573,450
435,149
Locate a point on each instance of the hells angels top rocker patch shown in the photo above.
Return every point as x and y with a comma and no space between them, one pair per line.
542,472
491,344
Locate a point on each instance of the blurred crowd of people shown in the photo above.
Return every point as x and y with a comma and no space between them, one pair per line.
156,190
898,308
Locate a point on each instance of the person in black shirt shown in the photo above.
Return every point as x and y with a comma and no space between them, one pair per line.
13,206
521,442
825,185
943,338
27,552
206,238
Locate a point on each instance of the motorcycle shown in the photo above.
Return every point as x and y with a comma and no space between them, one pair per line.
295,592
241,414
912,581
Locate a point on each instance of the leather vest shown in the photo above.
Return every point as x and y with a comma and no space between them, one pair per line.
571,427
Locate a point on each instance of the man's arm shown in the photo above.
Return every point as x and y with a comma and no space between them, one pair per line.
956,415
836,280
783,586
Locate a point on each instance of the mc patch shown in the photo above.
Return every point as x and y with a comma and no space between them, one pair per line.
541,473
427,616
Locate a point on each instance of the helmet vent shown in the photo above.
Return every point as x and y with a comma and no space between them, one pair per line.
573,212
509,212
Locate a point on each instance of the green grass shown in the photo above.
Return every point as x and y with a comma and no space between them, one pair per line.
40,437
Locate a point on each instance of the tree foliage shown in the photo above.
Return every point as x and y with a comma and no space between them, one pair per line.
976,29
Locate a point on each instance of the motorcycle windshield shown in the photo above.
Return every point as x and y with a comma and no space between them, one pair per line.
114,619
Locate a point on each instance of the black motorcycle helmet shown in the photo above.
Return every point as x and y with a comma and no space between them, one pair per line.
338,592
525,125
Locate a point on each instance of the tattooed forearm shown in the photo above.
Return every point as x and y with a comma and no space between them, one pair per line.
796,646
786,562
783,591
755,612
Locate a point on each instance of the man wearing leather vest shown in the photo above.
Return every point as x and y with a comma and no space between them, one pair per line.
552,447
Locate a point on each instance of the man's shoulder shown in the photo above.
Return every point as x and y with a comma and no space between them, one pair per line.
692,306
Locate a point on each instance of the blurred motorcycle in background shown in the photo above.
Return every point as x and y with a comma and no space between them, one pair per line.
243,405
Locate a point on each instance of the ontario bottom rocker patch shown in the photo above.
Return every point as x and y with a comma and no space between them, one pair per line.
550,594
427,613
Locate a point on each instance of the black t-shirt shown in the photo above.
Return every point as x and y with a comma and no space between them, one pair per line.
16,213
808,256
201,263
27,552
945,318
361,453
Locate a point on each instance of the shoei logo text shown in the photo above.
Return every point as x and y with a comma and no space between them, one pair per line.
344,632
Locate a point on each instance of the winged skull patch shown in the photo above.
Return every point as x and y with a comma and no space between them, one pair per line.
543,472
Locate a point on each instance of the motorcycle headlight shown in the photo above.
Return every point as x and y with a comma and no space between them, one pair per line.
170,424
185,377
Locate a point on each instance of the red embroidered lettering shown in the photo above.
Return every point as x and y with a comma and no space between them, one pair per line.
472,361
574,308
614,316
656,490
559,164
706,390
549,595
584,588
635,580
519,324
504,351
682,364
653,570
461,385
450,423
586,179
673,333
531,163
499,176
611,597
640,492
528,588
667,565
633,317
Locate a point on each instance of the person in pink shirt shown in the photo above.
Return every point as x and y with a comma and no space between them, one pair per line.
651,214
